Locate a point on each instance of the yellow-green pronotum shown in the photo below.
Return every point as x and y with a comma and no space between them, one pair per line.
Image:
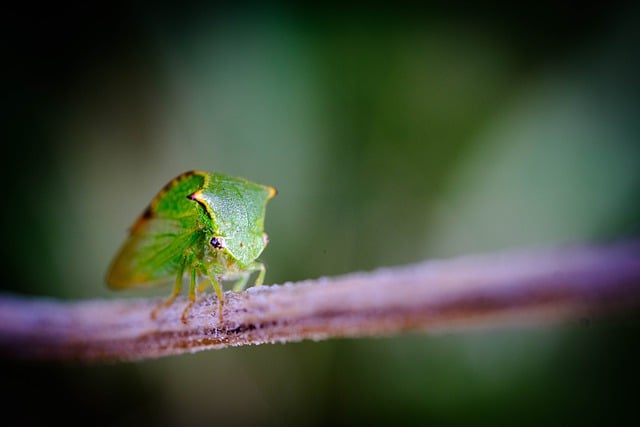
200,225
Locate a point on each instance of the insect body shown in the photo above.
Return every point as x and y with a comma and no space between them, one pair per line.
200,225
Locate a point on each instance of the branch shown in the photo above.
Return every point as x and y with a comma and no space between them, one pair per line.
517,289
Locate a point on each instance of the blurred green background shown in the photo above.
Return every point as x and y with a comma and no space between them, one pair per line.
393,135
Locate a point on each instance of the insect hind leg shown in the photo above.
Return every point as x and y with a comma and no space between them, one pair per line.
262,271
242,282
177,288
192,294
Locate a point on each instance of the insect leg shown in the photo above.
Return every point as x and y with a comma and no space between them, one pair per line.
219,294
262,270
192,284
202,286
241,282
192,294
177,287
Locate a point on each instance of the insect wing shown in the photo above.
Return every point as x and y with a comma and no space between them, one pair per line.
150,256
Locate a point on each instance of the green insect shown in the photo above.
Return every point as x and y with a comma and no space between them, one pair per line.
201,225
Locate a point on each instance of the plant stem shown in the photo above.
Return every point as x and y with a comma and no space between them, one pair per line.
510,289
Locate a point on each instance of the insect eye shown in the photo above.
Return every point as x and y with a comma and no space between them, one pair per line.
217,242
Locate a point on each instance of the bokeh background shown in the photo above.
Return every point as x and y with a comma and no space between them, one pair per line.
393,135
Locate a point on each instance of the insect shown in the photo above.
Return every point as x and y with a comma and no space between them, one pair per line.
200,225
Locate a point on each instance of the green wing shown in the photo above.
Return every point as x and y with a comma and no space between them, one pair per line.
161,236
151,256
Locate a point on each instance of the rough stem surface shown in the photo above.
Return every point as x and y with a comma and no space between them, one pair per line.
510,289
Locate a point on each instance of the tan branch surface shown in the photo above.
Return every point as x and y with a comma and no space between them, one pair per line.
515,289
